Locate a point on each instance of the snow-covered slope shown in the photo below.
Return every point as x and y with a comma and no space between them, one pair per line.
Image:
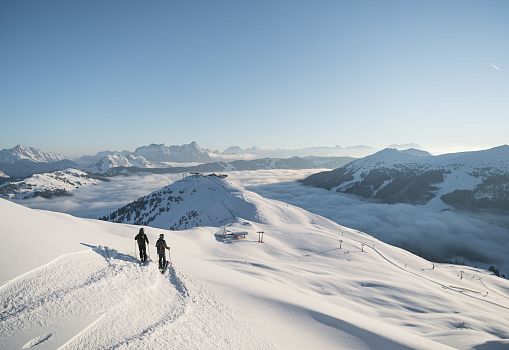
201,200
468,180
77,285
21,152
184,153
57,183
2,174
194,201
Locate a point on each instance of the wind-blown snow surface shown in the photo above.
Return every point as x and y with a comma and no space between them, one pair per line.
75,284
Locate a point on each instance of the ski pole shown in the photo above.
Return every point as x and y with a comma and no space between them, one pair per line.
135,250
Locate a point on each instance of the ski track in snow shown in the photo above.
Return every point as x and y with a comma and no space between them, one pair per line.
36,341
131,307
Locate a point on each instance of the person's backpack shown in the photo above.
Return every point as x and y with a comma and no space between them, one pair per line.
140,238
160,244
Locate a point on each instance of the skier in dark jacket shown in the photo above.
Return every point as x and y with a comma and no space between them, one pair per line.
161,246
141,238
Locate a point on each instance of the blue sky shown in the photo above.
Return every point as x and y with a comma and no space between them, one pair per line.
78,77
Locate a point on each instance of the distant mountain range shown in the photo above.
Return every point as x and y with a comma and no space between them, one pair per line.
29,172
63,182
152,156
120,159
466,180
21,161
336,151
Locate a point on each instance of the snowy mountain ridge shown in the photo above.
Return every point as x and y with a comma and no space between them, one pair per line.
20,152
196,200
21,161
121,159
467,180
152,156
184,153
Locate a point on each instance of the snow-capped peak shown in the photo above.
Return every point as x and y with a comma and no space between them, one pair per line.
391,156
20,152
201,200
120,159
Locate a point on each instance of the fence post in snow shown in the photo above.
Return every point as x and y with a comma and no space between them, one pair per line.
260,236
340,243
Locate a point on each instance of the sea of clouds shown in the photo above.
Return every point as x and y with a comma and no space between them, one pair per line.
475,238
97,200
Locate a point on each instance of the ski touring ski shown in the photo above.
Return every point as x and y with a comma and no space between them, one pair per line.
163,270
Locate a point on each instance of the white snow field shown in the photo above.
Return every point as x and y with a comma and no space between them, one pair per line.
73,283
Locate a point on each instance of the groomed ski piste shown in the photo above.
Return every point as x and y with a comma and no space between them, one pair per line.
73,283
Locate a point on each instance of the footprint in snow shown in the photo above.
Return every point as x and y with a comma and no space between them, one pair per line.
37,341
